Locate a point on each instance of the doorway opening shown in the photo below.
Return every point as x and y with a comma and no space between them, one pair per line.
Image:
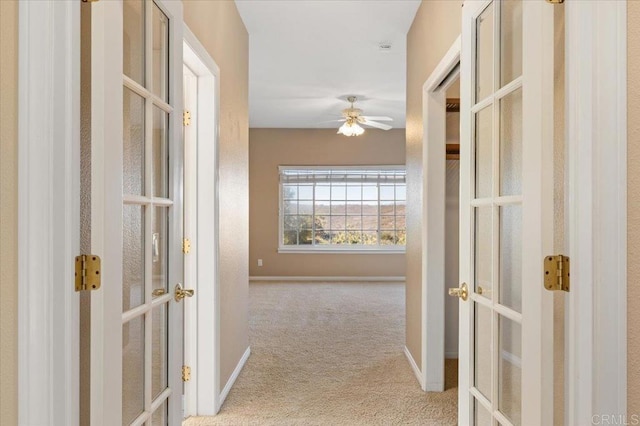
435,307
452,218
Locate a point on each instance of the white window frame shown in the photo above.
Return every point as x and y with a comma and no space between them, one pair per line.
332,249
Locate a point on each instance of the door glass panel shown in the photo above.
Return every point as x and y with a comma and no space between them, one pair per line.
160,415
509,369
483,251
511,144
511,257
160,247
160,153
482,343
133,40
160,82
133,143
159,350
484,152
484,53
480,414
146,142
497,159
132,256
510,40
132,369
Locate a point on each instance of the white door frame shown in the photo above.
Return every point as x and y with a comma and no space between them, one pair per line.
202,344
48,212
433,216
596,99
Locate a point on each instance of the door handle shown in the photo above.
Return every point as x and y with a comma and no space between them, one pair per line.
181,293
462,292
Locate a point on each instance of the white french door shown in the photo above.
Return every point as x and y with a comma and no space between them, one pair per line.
136,212
506,205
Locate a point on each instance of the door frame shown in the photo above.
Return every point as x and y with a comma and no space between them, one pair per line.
202,344
433,216
596,120
48,211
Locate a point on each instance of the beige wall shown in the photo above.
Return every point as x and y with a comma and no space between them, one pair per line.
220,29
633,207
270,148
436,26
8,212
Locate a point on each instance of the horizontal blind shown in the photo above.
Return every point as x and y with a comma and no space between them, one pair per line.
333,176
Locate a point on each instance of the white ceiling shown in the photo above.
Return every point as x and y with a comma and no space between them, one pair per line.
307,56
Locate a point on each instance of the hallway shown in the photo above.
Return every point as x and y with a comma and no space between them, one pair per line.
331,354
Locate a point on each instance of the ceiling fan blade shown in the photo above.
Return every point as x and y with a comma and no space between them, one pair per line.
333,121
377,118
376,125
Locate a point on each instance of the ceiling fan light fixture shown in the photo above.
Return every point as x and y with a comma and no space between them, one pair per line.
350,128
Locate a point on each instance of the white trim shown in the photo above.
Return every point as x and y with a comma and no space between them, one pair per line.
537,211
233,377
203,343
328,279
414,367
48,212
433,185
336,250
337,167
596,80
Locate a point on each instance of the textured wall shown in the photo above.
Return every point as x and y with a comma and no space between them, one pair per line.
8,212
436,26
270,148
220,29
633,208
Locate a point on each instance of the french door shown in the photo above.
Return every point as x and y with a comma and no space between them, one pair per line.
506,353
136,212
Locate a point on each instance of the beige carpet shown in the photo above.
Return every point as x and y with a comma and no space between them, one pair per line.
331,354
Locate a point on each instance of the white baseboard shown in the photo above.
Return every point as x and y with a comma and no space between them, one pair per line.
451,355
414,367
234,376
328,279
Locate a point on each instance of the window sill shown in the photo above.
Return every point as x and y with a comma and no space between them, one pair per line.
298,250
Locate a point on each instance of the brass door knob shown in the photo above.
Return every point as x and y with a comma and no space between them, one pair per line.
181,293
462,292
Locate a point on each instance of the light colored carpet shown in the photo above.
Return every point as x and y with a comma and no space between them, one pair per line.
331,354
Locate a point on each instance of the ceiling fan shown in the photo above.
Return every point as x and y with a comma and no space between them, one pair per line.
352,118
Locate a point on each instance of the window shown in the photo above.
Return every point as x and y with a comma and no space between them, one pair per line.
342,208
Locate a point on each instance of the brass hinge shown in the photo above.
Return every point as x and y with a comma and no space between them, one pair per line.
186,373
557,273
87,272
186,118
555,1
186,246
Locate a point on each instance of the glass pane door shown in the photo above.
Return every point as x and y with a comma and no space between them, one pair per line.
496,203
147,211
